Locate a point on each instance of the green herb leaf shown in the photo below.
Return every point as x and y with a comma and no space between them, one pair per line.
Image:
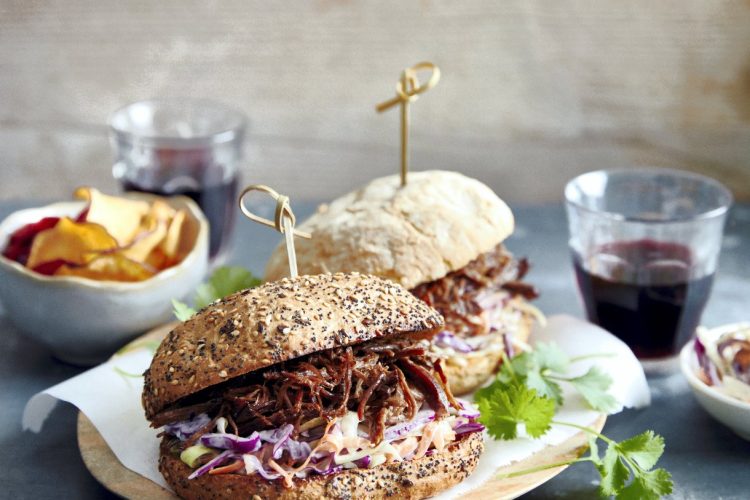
544,368
182,311
545,386
594,450
519,366
535,367
224,281
550,357
648,486
644,449
504,406
614,473
593,386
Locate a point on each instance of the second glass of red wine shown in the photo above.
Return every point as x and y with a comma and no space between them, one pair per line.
188,147
645,245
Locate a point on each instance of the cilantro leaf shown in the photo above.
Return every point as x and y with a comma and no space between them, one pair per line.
594,450
485,392
505,406
614,473
182,311
498,425
641,452
545,368
593,386
550,357
224,281
648,485
519,366
644,449
535,367
545,386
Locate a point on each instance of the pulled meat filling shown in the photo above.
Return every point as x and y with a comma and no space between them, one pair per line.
459,296
385,381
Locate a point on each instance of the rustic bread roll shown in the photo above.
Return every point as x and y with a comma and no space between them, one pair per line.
437,223
275,322
410,479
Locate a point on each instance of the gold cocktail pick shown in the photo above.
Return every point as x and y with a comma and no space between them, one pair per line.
408,90
283,222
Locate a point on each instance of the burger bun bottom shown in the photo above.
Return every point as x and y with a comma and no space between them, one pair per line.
467,372
410,479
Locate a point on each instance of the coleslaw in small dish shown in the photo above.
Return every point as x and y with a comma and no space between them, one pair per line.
723,356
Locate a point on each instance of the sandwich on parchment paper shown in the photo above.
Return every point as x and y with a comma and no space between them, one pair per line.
441,236
313,387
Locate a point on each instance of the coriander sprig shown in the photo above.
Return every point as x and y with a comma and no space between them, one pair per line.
513,399
546,367
634,457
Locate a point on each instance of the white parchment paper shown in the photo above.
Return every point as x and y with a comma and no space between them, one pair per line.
111,398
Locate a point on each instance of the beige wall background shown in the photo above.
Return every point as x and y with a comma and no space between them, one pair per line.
532,92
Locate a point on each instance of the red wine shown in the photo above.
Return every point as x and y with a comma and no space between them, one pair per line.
217,202
643,292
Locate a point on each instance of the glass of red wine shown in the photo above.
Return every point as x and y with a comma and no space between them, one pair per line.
189,147
645,245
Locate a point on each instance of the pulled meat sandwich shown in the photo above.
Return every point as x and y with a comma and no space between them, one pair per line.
441,236
315,387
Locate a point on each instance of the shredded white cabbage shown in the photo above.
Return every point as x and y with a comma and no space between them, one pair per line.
221,425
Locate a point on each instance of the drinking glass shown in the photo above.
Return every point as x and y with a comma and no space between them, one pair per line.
645,245
188,147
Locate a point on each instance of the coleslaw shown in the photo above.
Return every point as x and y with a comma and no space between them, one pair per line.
318,447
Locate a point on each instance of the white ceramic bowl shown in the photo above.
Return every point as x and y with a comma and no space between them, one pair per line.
82,320
731,412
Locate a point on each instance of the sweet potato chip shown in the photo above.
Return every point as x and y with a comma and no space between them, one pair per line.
69,241
152,234
19,244
109,267
171,244
161,210
122,217
157,259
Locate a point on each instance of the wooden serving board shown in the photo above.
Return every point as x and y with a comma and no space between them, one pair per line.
104,466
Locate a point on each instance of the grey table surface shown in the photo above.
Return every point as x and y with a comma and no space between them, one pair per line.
706,459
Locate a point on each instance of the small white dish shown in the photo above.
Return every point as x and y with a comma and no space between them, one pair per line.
731,412
83,321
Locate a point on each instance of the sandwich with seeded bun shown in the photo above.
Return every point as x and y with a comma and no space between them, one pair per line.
440,236
315,387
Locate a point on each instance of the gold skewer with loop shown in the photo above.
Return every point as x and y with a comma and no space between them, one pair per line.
284,221
408,90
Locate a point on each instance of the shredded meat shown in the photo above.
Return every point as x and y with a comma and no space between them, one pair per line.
458,295
385,381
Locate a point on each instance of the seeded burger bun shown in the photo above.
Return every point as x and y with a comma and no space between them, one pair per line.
278,322
432,229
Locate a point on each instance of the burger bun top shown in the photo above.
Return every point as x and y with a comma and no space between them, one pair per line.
437,223
275,322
